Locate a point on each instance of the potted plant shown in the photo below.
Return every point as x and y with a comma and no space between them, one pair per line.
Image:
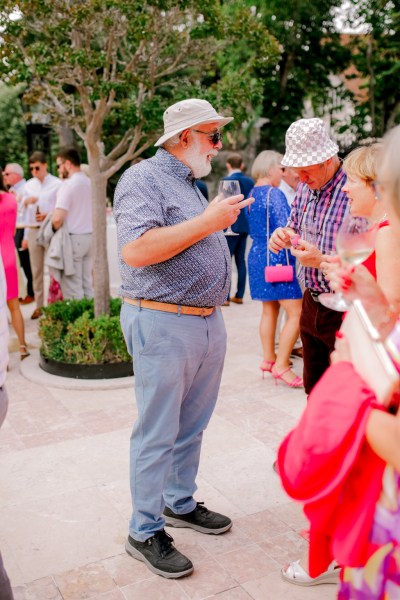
76,344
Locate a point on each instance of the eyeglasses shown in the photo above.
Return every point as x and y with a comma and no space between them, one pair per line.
34,168
214,138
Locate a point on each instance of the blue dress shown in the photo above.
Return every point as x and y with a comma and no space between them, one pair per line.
257,261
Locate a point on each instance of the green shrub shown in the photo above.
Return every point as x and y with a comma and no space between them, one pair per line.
70,333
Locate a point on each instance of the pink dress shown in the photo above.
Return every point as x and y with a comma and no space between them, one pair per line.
8,220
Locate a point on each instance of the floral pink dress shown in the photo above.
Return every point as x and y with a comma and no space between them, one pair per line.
8,220
379,579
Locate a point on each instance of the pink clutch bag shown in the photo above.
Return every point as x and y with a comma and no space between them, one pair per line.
279,273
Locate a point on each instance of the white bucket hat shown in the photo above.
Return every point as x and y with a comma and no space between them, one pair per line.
308,143
186,114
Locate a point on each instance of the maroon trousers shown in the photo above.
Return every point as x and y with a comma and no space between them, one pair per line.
318,326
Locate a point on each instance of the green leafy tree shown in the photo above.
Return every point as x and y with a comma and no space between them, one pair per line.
311,51
114,66
12,126
376,56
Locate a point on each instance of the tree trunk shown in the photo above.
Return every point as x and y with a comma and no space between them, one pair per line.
99,242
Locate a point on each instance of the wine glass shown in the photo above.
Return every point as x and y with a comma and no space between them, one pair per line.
355,241
226,189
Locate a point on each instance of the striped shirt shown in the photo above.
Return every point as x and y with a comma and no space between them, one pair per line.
316,216
161,192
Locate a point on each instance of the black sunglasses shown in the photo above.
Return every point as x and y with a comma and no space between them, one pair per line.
214,138
34,168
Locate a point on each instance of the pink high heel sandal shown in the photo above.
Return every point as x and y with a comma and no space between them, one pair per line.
296,383
266,366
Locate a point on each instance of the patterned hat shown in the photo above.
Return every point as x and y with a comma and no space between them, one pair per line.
308,143
186,114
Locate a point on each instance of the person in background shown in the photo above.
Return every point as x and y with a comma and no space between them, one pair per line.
316,215
14,179
8,219
359,443
5,586
175,272
288,184
74,208
202,187
269,211
361,167
39,198
237,243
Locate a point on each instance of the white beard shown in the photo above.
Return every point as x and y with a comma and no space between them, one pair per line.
198,163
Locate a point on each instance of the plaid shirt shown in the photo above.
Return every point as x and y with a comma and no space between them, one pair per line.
317,215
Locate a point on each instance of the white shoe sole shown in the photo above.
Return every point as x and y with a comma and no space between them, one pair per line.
331,577
173,522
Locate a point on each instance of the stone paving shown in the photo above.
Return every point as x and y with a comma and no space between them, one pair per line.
64,492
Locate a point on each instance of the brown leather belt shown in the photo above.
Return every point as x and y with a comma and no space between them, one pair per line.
195,311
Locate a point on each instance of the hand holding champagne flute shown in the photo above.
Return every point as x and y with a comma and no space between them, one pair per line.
355,241
226,189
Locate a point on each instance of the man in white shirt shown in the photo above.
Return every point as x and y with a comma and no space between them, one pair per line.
39,194
14,178
288,184
74,209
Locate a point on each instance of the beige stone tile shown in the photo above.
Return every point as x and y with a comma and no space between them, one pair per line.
284,548
125,570
247,563
157,588
292,514
41,589
114,595
61,532
249,482
85,582
71,465
276,588
236,593
261,525
220,544
208,579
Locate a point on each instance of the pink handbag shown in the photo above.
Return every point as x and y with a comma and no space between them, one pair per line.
277,273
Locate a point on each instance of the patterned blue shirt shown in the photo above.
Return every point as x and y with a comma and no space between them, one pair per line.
317,215
161,192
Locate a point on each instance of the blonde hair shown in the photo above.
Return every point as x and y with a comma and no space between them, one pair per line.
363,162
263,163
389,167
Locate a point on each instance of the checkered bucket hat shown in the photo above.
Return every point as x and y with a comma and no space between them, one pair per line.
308,143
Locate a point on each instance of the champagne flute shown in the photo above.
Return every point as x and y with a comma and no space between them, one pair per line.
226,189
355,241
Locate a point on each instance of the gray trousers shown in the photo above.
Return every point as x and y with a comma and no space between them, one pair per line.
79,285
5,586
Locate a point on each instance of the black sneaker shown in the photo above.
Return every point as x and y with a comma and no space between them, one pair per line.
200,519
160,555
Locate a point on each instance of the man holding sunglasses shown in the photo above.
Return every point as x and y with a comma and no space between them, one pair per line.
39,199
175,269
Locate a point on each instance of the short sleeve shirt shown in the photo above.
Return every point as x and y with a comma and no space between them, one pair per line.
75,196
161,192
317,215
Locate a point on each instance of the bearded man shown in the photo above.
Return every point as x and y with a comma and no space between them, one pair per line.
175,272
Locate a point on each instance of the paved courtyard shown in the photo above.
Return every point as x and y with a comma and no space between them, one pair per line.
64,493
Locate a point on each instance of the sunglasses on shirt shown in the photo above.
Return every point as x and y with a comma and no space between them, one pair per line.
214,138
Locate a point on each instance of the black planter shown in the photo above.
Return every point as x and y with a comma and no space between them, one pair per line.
74,371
